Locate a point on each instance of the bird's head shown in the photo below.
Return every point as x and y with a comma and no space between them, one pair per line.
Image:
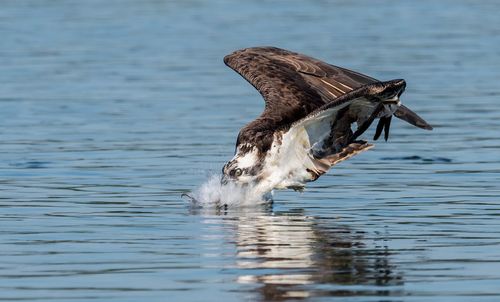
244,168
390,90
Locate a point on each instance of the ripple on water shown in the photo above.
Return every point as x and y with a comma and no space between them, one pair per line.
110,110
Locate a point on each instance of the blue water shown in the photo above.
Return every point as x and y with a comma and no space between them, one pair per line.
110,110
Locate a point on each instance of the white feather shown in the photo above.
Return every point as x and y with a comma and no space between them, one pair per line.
249,159
290,161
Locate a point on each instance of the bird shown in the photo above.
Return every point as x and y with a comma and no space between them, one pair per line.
313,118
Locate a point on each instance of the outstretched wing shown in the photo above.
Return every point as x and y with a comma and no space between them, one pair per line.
324,137
293,86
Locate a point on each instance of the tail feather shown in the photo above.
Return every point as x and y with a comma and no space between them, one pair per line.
322,165
411,117
348,152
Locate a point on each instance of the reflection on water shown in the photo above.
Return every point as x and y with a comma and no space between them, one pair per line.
110,110
281,253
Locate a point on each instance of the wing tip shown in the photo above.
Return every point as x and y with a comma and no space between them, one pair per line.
264,49
412,118
422,124
228,57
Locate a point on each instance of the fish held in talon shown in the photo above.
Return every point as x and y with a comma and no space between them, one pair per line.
305,127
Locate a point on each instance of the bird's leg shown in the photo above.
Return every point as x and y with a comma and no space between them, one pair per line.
366,124
384,123
340,133
297,188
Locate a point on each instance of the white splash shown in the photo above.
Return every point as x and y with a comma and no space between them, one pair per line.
214,194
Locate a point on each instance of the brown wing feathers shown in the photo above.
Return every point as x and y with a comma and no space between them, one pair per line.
293,86
283,89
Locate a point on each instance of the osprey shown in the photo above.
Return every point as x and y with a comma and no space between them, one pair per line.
313,117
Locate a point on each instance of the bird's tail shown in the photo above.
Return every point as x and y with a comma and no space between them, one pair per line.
323,164
347,152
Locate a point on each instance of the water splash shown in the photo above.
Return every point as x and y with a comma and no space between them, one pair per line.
214,194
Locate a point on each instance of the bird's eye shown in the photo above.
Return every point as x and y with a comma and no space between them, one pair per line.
238,172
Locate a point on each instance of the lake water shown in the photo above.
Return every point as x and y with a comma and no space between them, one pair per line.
110,110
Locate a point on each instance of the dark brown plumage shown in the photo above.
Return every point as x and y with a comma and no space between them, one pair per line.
295,86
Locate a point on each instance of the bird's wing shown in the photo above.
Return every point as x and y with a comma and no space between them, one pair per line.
411,117
324,137
292,85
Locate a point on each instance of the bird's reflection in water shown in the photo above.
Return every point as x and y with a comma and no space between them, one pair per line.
289,255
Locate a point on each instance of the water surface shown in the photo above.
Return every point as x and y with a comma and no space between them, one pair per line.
110,110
